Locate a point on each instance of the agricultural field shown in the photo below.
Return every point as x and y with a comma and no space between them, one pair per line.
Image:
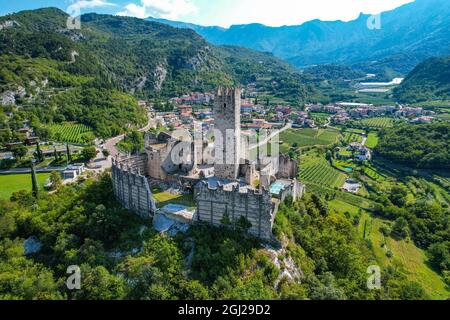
372,140
350,137
444,116
16,182
373,174
320,118
323,174
404,254
378,122
72,133
308,137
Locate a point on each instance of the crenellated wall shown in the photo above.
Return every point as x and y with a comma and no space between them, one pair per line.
257,207
131,187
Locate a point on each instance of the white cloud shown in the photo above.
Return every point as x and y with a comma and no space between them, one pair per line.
88,4
167,9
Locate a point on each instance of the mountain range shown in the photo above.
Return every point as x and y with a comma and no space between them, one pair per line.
408,35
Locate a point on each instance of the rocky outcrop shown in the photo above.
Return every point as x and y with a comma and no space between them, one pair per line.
159,76
199,61
9,24
8,97
287,266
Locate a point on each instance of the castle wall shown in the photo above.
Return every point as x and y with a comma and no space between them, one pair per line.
131,188
256,207
288,168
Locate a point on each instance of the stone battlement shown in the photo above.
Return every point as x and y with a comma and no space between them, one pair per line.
214,203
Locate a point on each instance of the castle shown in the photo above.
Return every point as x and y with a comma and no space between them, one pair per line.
228,179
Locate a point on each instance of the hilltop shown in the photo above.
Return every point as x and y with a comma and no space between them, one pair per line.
430,80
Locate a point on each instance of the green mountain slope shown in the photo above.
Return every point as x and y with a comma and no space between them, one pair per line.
430,80
54,74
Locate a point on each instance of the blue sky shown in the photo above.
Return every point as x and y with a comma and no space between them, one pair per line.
218,12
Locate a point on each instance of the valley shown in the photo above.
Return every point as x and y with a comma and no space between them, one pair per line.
352,128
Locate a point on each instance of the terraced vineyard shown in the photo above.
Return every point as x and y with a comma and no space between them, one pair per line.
322,173
373,174
72,133
378,122
352,137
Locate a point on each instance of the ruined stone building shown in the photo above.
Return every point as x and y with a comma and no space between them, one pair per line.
226,183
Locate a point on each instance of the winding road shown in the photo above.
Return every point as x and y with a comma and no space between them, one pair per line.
110,146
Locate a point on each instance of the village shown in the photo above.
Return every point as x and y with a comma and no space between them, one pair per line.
193,112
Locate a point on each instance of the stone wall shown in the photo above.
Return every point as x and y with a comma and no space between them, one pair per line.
131,187
288,168
255,206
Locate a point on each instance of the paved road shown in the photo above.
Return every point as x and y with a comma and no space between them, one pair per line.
28,170
110,145
363,143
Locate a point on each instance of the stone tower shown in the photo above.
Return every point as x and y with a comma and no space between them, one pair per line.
227,116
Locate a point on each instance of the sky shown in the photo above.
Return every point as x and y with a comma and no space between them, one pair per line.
218,12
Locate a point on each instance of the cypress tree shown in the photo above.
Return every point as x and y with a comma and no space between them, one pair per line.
55,153
34,183
69,155
39,155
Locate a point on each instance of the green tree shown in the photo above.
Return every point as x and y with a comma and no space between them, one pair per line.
34,183
39,155
439,255
19,151
89,153
401,228
55,179
69,154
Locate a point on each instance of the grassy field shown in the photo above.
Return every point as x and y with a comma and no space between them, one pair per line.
17,182
372,140
340,206
308,137
72,133
378,122
405,253
165,198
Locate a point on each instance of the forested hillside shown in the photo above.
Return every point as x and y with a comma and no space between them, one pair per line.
322,256
90,75
430,80
420,146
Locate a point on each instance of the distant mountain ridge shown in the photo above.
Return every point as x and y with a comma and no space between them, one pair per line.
408,35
